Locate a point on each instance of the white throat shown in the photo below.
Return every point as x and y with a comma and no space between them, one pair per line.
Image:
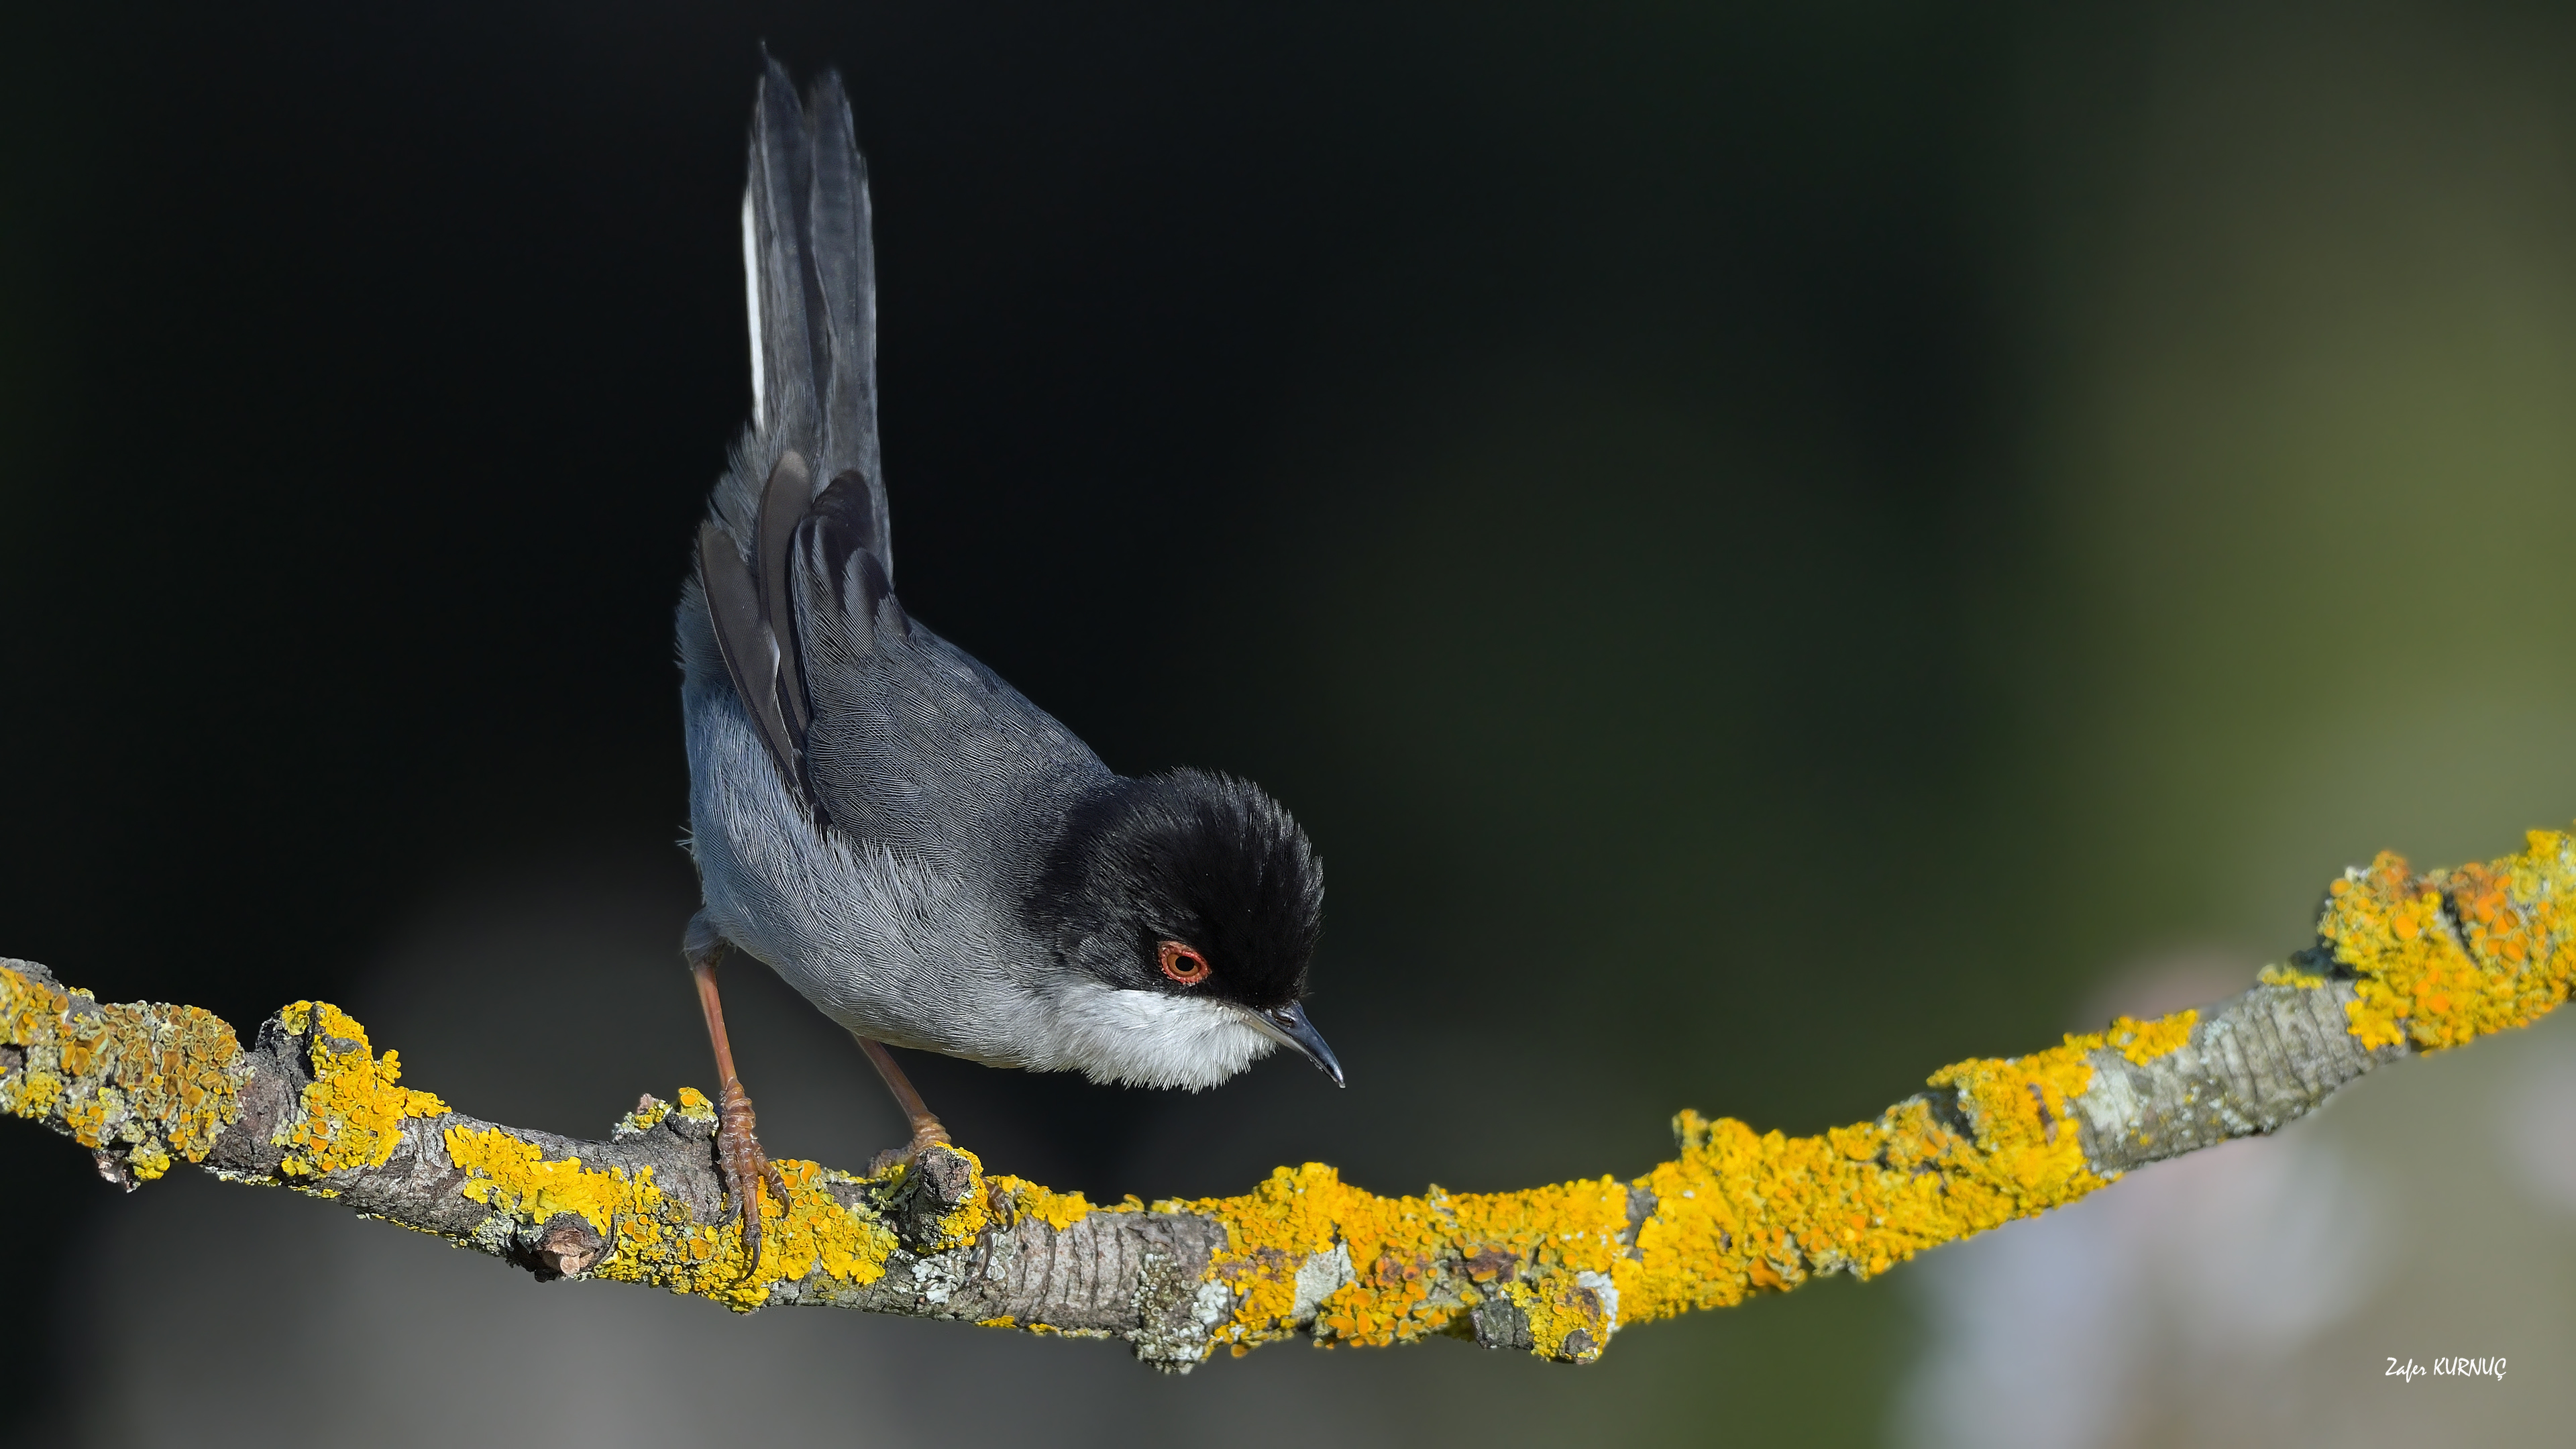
1148,1039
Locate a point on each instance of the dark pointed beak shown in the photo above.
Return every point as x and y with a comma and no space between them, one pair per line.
1288,1026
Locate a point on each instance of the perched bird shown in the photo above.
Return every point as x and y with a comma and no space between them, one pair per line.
931,859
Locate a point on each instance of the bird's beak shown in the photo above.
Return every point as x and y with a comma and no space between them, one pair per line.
1288,1026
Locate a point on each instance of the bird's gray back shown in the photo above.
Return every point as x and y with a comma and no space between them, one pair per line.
917,747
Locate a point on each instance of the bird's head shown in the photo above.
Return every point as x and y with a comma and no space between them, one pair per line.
1184,908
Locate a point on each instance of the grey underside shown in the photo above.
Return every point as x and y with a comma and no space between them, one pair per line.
942,786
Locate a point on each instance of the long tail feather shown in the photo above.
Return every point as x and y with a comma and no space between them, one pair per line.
813,285
811,282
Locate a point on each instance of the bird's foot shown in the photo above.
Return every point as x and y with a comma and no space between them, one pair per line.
744,1168
926,1134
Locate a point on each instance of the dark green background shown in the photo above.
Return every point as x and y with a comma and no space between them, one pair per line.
1772,548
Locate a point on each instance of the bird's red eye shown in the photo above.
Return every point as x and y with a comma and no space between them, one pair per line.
1182,964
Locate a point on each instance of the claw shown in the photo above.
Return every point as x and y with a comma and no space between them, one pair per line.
744,1168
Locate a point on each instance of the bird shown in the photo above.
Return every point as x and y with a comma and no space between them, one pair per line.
930,859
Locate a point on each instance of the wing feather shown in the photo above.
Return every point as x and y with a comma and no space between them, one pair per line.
783,503
750,649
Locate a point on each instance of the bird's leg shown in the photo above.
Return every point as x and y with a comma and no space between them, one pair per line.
926,1130
738,1156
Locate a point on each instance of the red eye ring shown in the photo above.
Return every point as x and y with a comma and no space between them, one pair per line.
1182,964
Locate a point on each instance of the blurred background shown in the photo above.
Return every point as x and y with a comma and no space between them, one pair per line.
1773,548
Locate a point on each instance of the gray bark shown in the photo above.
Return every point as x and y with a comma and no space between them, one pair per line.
2256,1062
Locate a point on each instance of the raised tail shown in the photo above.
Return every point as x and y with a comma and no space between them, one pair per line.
810,274
810,281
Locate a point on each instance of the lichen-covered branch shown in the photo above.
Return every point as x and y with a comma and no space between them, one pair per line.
2403,963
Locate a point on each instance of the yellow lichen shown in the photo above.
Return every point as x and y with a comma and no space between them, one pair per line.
964,1223
2444,958
1737,1213
2434,960
2144,1041
148,1160
28,1010
1397,1247
652,1238
507,1173
150,1079
1058,1210
648,1114
352,1112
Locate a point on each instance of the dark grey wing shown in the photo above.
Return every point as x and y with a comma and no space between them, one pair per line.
748,605
913,743
783,501
750,651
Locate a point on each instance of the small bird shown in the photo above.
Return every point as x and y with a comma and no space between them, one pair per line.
931,859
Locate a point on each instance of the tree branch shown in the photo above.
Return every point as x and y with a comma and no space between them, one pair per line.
2403,964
